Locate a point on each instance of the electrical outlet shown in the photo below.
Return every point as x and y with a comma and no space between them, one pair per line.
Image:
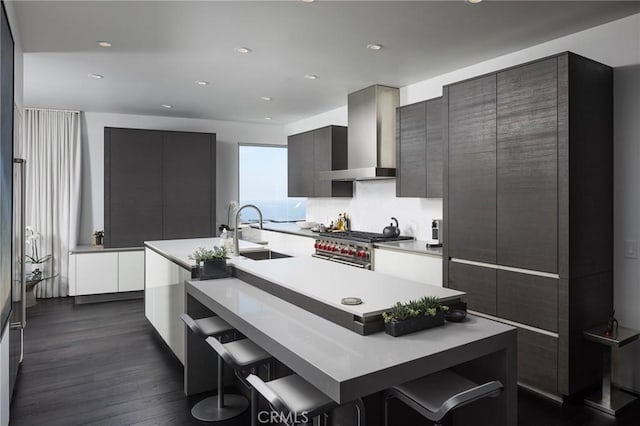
631,249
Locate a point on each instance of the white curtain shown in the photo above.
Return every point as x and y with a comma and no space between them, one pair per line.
52,151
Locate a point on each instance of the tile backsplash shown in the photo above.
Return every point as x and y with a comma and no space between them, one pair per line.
373,204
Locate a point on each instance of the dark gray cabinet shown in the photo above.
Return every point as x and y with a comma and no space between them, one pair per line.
435,148
419,150
301,168
158,185
472,169
527,165
133,187
188,185
313,152
528,200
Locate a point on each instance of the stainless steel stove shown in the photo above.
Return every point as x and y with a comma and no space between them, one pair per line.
353,248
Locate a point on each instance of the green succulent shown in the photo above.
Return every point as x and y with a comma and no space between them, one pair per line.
413,309
202,254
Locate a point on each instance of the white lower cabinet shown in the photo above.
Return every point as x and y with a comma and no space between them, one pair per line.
94,272
423,268
130,270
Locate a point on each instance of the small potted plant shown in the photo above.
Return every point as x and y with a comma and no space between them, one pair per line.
212,263
415,315
98,237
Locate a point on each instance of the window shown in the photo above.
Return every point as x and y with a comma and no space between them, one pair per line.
262,171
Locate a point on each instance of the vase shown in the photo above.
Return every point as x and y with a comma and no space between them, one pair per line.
400,328
214,268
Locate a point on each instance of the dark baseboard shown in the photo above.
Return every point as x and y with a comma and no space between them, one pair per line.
109,297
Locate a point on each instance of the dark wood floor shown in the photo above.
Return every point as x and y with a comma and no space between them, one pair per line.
101,364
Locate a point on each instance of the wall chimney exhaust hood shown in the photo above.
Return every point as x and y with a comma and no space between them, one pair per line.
371,143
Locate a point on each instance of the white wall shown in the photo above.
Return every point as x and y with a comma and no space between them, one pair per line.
616,44
228,135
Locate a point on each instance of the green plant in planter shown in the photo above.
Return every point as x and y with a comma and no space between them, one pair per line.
425,306
202,254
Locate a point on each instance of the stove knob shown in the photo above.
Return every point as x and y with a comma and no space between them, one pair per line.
351,252
359,254
334,248
316,245
343,250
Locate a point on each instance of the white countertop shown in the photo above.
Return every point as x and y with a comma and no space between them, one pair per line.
329,282
179,250
286,228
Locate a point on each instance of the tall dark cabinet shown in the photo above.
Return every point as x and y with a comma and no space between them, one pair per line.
419,149
313,152
528,209
158,185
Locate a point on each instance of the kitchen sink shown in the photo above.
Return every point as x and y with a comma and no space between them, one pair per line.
264,255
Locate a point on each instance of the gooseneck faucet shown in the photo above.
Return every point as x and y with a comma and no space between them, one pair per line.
236,245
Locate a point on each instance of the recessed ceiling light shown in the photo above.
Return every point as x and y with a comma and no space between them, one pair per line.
311,76
473,1
167,106
103,43
267,118
265,98
308,1
243,49
96,76
374,46
202,82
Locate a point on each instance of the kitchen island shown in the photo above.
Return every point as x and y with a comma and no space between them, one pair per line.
166,267
347,366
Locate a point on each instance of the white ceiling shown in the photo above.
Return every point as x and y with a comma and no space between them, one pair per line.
161,47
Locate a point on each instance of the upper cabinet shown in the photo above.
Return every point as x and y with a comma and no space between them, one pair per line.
313,152
419,149
471,197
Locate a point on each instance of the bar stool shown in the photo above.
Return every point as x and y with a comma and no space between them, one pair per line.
219,407
296,400
435,395
243,355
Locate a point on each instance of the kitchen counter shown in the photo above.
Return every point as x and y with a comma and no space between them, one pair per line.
101,249
286,228
178,251
413,246
329,282
346,366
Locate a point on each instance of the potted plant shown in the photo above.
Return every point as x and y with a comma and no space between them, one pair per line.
212,263
415,315
34,259
98,237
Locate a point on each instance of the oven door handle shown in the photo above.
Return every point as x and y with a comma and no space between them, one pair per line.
344,262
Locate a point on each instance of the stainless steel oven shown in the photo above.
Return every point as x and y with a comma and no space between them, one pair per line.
354,248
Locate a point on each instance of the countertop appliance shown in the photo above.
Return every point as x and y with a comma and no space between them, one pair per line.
353,248
436,233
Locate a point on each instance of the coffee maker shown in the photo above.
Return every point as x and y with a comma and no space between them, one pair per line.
436,233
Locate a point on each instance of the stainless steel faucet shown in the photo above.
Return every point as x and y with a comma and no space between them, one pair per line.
236,245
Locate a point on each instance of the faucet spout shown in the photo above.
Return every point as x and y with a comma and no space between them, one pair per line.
236,245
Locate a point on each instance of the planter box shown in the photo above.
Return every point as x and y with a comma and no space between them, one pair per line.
412,325
210,269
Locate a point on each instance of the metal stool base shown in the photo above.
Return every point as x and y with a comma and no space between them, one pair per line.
207,410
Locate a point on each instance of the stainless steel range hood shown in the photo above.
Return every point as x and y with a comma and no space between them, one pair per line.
371,144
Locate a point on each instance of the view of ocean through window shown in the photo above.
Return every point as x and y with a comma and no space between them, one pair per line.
263,182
